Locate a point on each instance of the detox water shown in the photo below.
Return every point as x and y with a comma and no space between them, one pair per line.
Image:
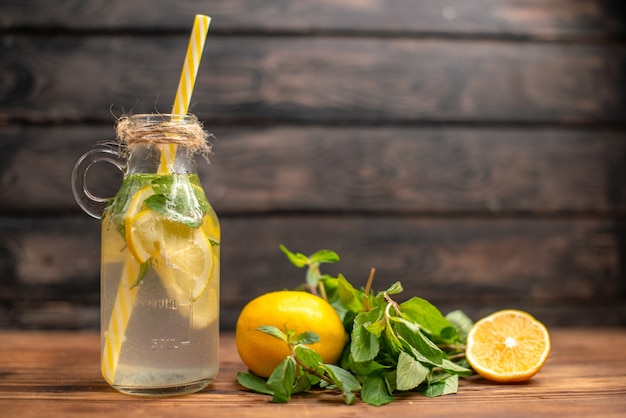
160,258
159,314
169,342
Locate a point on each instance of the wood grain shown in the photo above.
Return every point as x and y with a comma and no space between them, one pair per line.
473,150
315,80
402,170
57,374
478,265
539,19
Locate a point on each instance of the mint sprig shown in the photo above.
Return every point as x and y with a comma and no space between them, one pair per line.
177,200
178,197
394,347
300,370
312,263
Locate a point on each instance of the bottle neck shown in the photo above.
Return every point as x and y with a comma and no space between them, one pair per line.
156,159
162,143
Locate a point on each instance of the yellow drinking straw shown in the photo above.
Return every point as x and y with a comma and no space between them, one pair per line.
192,63
116,332
186,83
127,292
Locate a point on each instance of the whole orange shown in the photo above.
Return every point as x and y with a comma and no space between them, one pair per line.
298,311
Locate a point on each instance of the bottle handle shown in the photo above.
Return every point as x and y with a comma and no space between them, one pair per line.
93,205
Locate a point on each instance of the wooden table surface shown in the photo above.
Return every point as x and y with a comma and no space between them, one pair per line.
56,374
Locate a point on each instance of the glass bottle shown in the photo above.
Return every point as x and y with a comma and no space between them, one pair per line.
160,252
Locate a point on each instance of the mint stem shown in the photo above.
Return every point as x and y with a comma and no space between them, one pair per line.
391,302
456,347
320,285
312,371
456,356
368,287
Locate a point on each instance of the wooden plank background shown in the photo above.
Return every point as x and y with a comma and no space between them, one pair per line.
473,149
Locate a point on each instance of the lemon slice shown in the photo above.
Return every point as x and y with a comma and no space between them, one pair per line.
114,243
182,256
188,254
136,202
211,227
205,309
144,235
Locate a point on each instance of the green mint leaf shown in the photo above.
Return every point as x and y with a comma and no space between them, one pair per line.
313,379
309,357
297,259
417,355
410,372
412,334
303,383
448,335
428,317
176,208
254,383
121,227
201,198
282,380
143,269
324,256
365,368
375,390
365,345
443,387
390,380
158,203
347,318
313,276
392,345
455,368
394,289
305,338
274,332
376,327
330,284
163,184
344,380
461,322
350,298
130,185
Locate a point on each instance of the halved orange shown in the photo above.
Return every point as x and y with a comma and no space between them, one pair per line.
508,346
